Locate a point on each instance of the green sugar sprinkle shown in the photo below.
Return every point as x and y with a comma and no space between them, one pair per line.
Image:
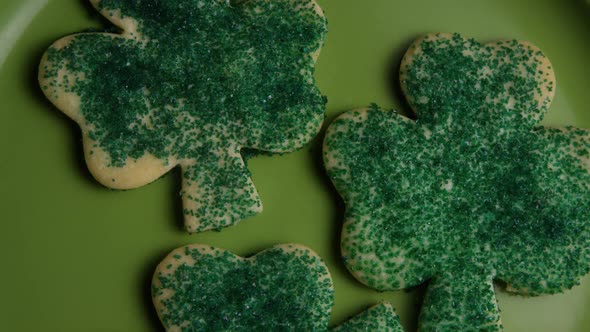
199,81
470,192
276,290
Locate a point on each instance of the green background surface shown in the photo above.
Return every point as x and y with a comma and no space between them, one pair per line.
78,257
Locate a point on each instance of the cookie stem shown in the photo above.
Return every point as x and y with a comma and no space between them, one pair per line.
460,302
217,192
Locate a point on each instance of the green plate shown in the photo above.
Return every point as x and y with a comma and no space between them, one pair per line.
79,257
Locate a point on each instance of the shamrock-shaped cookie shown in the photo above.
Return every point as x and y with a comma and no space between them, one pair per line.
191,83
284,288
472,191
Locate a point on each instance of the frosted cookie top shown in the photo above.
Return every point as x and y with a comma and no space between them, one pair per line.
469,192
284,288
191,83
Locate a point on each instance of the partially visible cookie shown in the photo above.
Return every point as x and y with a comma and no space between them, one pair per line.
201,288
284,288
191,83
472,191
381,318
